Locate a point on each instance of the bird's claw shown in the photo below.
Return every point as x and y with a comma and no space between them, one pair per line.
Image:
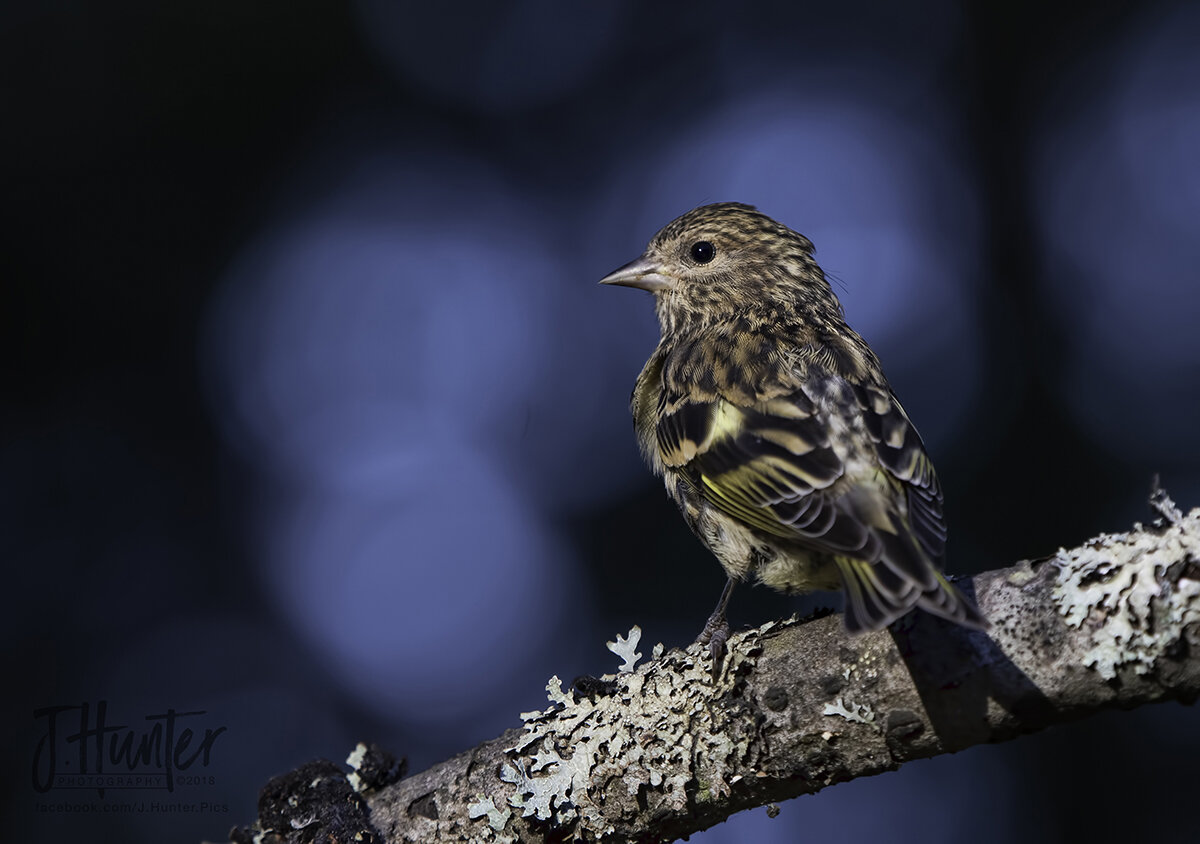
715,634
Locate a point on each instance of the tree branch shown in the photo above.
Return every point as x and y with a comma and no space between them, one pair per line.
801,705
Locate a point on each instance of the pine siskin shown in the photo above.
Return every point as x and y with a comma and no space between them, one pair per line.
775,430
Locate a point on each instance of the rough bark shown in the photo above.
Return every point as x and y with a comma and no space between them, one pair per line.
663,750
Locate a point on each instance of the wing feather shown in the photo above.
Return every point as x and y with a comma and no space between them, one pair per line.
901,452
772,466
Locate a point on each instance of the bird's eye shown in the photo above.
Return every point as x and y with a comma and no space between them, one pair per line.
702,252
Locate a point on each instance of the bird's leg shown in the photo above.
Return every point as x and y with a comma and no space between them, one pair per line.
716,629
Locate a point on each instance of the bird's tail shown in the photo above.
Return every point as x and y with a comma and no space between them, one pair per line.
948,601
876,596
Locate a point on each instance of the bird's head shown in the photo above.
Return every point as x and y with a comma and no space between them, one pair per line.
717,262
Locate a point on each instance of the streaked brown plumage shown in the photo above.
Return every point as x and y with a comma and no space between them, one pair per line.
775,430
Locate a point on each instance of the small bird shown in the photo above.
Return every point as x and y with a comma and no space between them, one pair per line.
774,429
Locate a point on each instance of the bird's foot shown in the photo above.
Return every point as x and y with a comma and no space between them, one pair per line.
716,630
715,634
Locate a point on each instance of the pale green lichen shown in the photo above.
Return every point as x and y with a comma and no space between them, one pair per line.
1116,586
484,807
355,760
1021,574
867,666
626,648
858,713
656,731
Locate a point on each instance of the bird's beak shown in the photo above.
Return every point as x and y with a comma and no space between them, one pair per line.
642,273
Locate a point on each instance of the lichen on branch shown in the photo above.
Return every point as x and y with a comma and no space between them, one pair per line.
663,749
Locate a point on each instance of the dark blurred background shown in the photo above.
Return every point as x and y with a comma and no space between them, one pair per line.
315,419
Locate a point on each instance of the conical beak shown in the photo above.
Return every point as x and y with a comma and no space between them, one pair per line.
642,273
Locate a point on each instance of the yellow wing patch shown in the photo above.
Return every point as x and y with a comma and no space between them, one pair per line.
748,460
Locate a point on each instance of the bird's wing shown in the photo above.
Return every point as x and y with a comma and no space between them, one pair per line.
772,466
901,452
769,464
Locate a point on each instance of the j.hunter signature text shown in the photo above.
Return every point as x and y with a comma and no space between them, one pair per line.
77,747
